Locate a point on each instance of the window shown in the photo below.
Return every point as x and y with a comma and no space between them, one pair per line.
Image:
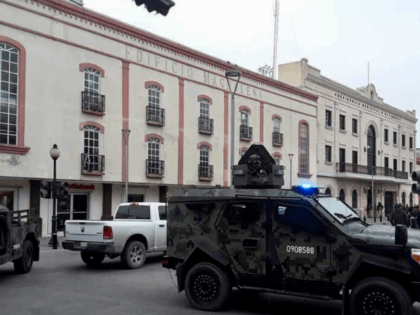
328,191
386,162
154,114
92,80
342,195
205,170
162,212
299,219
204,155
403,198
7,199
354,125
276,125
304,149
403,141
153,153
342,122
327,153
135,198
133,212
395,137
354,158
411,167
154,96
277,159
244,118
92,159
386,138
403,166
411,199
411,142
395,164
204,108
9,57
328,118
354,199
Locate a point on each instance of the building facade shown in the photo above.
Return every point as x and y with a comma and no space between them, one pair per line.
363,143
126,106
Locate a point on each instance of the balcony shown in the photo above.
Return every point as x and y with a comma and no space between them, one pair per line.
92,164
368,170
205,125
245,133
155,116
205,172
277,139
155,168
93,103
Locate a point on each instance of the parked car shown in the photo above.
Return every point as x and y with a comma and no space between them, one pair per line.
19,238
137,228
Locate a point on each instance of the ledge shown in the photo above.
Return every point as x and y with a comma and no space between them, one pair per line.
155,123
329,163
91,112
386,142
343,131
205,132
304,175
396,145
355,134
329,127
155,176
93,173
245,140
205,179
278,145
404,148
14,149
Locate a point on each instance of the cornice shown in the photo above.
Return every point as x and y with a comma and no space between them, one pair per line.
125,30
339,88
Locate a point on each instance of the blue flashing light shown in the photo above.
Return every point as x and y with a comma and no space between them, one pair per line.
306,190
307,186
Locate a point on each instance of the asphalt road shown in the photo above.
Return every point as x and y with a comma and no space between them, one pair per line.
60,283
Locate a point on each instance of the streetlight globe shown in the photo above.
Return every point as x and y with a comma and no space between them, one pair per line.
233,73
55,152
290,157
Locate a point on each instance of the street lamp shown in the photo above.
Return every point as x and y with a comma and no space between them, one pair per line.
232,74
126,134
291,159
55,154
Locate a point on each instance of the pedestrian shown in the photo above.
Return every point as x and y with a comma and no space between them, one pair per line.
379,208
399,216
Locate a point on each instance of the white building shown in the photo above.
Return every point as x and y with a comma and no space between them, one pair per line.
76,78
358,133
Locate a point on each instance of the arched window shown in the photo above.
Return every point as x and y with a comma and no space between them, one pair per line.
403,198
92,80
153,155
91,159
244,118
372,95
371,149
276,122
304,149
204,108
9,63
205,170
328,191
354,199
277,159
204,155
342,195
153,112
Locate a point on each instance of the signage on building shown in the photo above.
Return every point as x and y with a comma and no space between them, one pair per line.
82,187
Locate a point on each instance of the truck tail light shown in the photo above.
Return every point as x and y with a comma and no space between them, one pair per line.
415,254
108,233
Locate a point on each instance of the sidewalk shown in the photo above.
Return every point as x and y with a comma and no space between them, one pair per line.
44,241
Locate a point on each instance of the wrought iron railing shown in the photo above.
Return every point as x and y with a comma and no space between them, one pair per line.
93,163
155,168
93,102
205,171
205,125
369,170
277,138
155,115
245,132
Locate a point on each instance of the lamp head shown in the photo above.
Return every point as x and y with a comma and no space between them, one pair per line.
55,152
233,74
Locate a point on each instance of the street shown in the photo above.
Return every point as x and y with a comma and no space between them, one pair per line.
60,283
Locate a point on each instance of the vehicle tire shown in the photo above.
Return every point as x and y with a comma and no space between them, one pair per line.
134,255
24,263
207,287
378,295
92,259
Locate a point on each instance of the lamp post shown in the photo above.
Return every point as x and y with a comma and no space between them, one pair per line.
55,154
126,134
232,74
291,159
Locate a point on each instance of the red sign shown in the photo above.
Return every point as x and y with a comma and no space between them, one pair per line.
82,187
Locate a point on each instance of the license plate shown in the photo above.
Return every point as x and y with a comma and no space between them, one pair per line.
83,244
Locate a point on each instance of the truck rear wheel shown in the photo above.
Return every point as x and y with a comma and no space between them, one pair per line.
378,295
24,263
134,255
207,287
92,259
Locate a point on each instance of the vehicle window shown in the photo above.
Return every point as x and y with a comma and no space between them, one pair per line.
122,213
162,212
139,212
246,212
337,209
299,218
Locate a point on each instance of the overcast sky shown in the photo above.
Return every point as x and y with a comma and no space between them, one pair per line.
337,37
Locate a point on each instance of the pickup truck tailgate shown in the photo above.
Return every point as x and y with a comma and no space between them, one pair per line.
90,231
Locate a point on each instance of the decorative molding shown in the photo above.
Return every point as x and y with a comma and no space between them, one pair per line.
243,107
12,149
153,135
83,124
276,116
201,96
278,154
147,84
204,143
84,65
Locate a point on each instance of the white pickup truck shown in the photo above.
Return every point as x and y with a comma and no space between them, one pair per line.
137,228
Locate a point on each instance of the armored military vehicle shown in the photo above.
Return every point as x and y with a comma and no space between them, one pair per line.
19,238
257,236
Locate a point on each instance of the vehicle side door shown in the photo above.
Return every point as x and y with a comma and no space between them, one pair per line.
160,211
301,242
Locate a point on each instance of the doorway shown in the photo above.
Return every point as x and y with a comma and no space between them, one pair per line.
342,157
371,150
389,203
75,208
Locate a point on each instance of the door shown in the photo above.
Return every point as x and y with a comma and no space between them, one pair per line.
76,208
354,161
389,202
371,150
302,245
342,160
161,227
244,237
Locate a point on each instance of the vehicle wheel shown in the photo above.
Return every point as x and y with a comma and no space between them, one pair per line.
24,263
379,296
207,287
134,255
92,259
